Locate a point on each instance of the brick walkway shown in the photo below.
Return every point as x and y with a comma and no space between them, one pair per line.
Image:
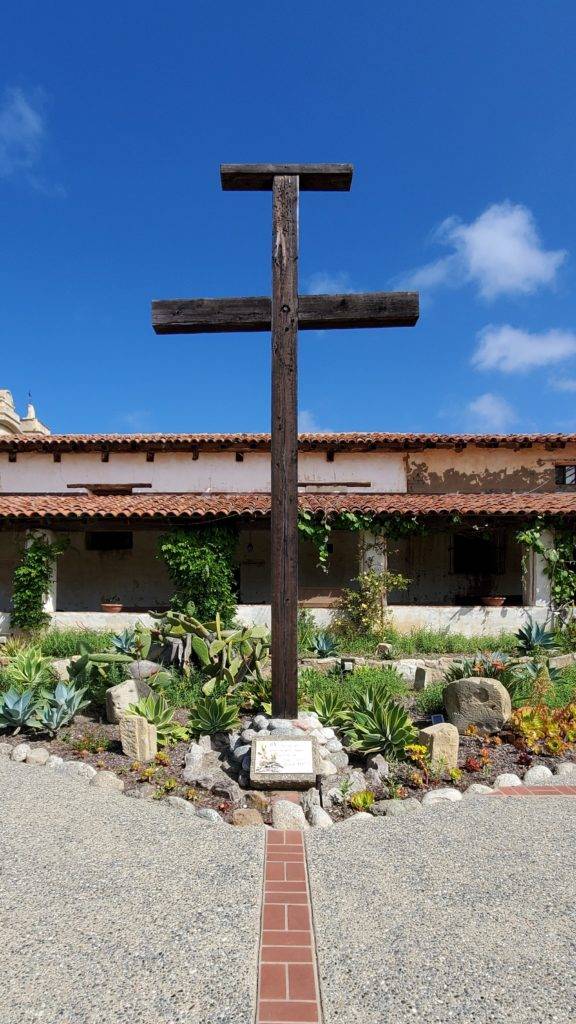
287,984
288,991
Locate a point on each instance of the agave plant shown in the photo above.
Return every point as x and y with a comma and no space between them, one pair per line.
492,666
330,707
386,729
61,707
534,637
30,670
133,642
210,715
17,709
324,645
156,710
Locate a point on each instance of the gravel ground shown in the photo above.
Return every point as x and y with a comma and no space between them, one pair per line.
116,910
464,913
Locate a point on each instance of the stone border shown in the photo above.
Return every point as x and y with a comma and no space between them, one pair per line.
288,987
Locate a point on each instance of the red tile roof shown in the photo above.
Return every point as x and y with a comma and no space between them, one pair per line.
356,441
186,506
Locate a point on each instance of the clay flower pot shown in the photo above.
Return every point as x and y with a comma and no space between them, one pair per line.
493,602
110,606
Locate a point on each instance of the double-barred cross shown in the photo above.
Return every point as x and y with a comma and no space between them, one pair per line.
283,314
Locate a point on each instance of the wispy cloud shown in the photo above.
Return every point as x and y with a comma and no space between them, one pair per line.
22,138
500,253
563,384
490,412
308,424
325,283
513,350
137,419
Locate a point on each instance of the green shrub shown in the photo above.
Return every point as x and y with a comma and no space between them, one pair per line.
66,643
156,710
200,563
306,631
313,683
421,641
431,700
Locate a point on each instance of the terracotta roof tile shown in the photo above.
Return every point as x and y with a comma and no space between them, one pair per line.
357,441
186,506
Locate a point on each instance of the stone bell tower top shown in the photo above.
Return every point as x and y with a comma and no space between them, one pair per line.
12,423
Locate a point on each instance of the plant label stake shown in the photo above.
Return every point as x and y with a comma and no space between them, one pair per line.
283,315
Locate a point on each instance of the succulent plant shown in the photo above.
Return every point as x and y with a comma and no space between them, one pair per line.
226,658
386,729
17,709
29,669
324,645
210,715
156,710
60,707
533,637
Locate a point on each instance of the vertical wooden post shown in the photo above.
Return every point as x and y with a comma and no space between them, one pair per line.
284,520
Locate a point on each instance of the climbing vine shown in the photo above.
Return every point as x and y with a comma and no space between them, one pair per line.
318,529
200,564
559,559
31,582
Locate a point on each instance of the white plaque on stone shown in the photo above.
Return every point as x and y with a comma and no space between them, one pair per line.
283,763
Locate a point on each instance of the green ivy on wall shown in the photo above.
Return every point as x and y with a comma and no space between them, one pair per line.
318,529
31,582
559,561
200,564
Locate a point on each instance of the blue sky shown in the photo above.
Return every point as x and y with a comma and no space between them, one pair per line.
459,119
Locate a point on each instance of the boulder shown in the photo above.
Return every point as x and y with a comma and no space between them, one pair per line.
61,667
339,758
286,815
119,697
438,796
138,737
78,769
107,780
538,775
477,789
20,751
6,749
319,818
442,742
565,770
209,814
246,816
397,808
181,805
507,779
142,669
38,755
477,701
258,800
379,764
309,801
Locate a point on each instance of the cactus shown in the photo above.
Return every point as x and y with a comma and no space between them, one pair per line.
226,658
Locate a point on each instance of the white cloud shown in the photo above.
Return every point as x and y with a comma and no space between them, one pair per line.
563,383
325,283
22,133
308,424
491,412
500,253
512,350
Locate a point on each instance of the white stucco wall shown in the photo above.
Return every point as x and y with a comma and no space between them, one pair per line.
178,472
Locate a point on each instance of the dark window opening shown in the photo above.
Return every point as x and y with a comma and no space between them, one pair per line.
109,540
474,555
566,476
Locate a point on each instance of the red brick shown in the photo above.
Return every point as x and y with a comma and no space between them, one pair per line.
273,981
298,917
295,872
301,981
292,856
275,837
274,917
275,872
287,938
286,954
287,1011
286,897
285,886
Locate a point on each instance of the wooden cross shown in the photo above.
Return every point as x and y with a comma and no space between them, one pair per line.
283,315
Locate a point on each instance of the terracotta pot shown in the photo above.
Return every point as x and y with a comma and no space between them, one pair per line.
493,602
111,608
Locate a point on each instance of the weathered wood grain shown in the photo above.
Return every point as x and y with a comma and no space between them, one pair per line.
312,177
315,312
284,447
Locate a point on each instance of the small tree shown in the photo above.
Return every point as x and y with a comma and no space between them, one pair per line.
365,606
200,563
